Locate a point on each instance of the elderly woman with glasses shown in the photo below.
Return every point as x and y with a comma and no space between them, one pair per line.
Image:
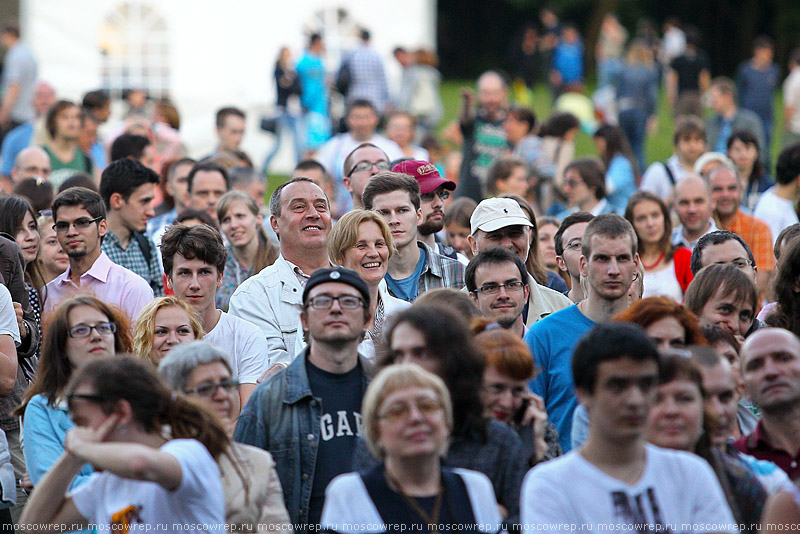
79,330
408,418
253,495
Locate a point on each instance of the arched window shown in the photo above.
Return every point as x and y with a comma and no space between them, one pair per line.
135,50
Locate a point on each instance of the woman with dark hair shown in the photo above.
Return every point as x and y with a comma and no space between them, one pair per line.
533,263
506,395
80,329
558,149
621,174
456,224
678,421
521,128
249,248
667,268
584,188
787,289
440,342
744,152
507,175
144,474
18,220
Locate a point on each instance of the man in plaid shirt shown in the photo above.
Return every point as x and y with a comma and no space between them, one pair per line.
127,188
367,76
415,267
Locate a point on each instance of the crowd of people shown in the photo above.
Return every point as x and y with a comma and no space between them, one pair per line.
512,336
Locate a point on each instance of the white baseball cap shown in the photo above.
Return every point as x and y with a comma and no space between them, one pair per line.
495,213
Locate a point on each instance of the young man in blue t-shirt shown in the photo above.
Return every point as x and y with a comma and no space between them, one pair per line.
609,263
415,267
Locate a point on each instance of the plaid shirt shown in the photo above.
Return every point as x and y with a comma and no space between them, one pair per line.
133,258
439,271
367,78
756,233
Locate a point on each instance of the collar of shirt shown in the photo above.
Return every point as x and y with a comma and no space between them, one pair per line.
98,270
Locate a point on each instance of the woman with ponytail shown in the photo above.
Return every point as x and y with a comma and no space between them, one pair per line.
153,452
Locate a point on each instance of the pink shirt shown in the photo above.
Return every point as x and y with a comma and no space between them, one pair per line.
111,283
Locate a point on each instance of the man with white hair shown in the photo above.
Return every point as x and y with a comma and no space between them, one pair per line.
485,124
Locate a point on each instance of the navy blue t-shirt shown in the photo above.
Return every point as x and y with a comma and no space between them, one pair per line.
340,425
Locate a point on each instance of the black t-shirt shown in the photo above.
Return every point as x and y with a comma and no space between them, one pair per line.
688,68
340,425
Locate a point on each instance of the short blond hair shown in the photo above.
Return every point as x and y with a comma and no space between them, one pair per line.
145,327
394,378
344,233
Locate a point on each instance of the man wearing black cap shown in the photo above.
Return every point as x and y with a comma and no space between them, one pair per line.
326,384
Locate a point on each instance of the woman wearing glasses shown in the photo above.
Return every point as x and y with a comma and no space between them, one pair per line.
80,329
408,418
202,372
163,324
362,242
153,451
666,267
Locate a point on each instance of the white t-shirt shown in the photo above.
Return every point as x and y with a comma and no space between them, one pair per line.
777,212
8,317
677,491
657,181
245,345
196,506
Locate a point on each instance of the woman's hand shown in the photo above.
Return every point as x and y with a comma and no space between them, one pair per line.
536,415
79,437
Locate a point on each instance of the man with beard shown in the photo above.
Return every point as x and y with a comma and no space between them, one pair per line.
433,191
726,198
80,225
309,414
770,363
609,262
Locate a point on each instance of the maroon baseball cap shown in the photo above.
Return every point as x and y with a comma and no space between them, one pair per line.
425,173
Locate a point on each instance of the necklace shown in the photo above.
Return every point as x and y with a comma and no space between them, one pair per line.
647,267
432,521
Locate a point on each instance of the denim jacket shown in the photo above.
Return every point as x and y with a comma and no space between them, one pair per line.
283,418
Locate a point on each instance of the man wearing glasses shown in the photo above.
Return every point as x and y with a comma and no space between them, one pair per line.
364,162
308,416
496,281
500,222
80,224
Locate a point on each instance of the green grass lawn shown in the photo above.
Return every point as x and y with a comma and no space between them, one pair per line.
659,146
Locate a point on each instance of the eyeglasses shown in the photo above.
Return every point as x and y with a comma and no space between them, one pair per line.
443,194
80,224
740,263
401,411
206,390
325,302
83,330
362,166
82,396
493,289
